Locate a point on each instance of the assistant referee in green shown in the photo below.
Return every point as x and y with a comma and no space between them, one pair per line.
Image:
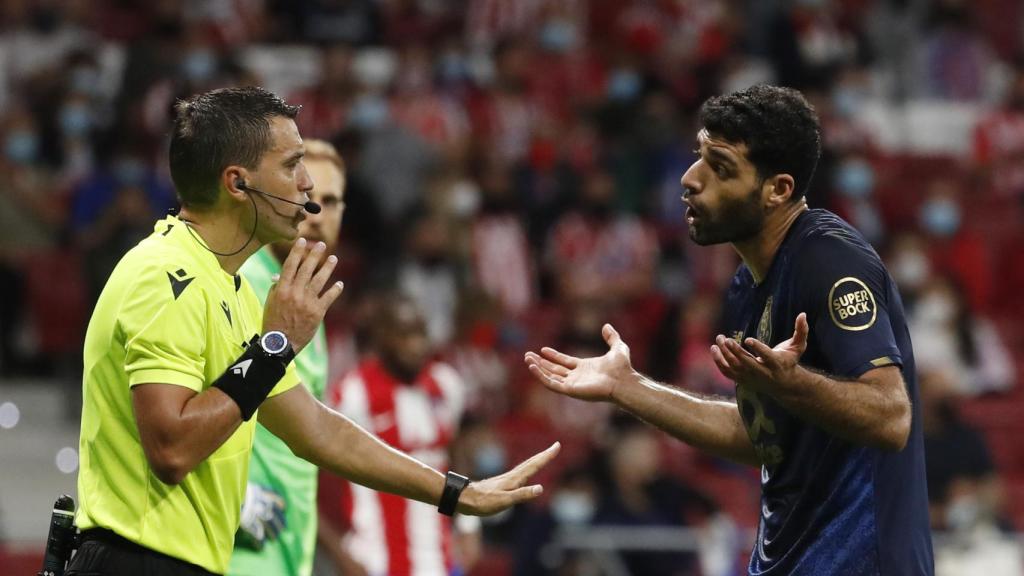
180,357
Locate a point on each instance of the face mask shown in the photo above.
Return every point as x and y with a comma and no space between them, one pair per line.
572,508
847,102
129,171
369,112
75,119
855,179
963,513
558,36
935,309
489,461
452,68
85,80
911,269
941,217
21,147
199,65
624,85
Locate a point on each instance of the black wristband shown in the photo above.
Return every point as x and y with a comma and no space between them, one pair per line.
251,378
454,484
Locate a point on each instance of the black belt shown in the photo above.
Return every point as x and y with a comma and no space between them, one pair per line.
115,540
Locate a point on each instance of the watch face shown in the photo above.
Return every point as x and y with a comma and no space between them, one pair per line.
274,342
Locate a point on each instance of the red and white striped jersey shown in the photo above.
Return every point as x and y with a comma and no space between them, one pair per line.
390,535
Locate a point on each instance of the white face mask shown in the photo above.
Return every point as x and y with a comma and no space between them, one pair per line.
936,309
572,508
911,269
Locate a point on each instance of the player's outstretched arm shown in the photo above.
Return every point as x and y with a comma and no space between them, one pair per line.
711,424
873,409
330,440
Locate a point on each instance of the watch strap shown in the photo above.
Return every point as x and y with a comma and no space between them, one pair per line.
454,484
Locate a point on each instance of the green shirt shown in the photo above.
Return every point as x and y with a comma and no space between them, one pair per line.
275,467
168,314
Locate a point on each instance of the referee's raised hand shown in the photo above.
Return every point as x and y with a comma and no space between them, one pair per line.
297,302
490,496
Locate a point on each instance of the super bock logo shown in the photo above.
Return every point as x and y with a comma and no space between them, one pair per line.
852,305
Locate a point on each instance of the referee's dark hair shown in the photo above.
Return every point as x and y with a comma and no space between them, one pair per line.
216,129
778,125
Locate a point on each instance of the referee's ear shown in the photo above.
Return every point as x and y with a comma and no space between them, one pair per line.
780,190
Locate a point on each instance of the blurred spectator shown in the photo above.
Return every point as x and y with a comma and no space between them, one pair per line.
956,248
475,355
413,404
956,60
965,490
638,493
500,252
112,208
600,255
428,273
909,263
947,336
999,141
854,183
325,104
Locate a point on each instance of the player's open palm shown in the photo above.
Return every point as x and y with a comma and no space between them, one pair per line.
763,368
592,379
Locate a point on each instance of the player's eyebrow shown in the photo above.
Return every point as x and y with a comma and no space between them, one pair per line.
721,157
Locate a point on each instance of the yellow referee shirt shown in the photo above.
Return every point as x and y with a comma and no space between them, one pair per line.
168,314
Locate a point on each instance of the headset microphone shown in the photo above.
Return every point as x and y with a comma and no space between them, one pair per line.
311,207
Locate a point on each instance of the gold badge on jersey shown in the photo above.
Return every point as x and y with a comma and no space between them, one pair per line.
764,327
852,305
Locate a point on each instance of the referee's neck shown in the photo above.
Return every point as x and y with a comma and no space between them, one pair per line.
759,251
224,235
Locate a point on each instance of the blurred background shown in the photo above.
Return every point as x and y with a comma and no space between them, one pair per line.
513,166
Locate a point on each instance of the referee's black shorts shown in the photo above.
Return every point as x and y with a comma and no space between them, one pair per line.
104,553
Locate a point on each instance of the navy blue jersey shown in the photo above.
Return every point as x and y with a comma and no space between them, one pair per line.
828,506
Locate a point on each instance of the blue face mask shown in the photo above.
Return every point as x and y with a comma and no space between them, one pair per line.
572,508
624,85
847,102
489,461
129,171
855,179
21,147
75,119
199,65
369,112
451,67
558,36
940,217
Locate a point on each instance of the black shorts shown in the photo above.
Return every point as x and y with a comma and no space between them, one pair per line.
104,553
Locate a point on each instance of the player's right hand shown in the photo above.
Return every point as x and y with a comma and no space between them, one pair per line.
262,517
297,302
592,379
490,496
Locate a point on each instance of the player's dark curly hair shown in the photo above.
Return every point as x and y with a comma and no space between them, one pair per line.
778,125
215,130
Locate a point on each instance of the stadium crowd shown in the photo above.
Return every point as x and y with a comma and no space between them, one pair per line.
513,168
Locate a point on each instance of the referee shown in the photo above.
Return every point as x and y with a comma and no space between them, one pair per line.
179,355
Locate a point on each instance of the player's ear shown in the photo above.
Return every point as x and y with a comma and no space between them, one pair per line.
780,189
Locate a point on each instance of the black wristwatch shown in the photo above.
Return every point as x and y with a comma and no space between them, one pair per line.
454,484
275,344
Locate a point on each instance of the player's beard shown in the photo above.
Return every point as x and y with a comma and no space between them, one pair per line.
734,221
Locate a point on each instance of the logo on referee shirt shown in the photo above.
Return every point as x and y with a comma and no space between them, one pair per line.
242,367
852,305
179,282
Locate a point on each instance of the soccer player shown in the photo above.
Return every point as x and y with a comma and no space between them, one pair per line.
277,534
414,404
179,356
828,412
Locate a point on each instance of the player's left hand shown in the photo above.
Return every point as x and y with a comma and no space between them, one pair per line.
764,369
262,517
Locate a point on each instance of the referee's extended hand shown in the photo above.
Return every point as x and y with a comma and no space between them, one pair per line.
297,302
490,496
765,369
